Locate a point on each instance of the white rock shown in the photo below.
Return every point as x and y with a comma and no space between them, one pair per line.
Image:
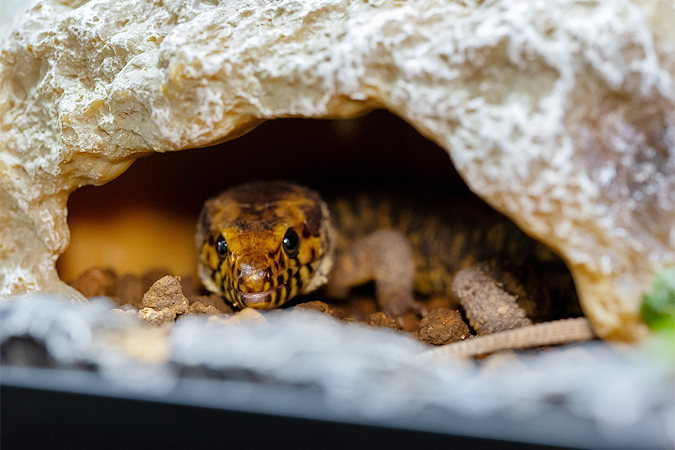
559,113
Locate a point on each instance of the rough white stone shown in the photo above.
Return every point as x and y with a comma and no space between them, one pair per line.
560,113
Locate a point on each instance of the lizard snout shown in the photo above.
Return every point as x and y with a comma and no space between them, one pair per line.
253,277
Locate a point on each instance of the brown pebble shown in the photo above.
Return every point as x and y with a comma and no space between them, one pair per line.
96,281
314,305
409,322
380,319
166,293
443,326
130,290
201,309
214,300
154,317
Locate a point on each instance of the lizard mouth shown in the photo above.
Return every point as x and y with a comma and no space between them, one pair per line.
260,300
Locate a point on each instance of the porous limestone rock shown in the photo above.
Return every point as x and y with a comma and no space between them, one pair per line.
560,113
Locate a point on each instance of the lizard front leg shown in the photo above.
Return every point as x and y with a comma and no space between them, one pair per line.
385,257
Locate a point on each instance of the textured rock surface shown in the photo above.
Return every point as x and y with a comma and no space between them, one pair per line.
559,113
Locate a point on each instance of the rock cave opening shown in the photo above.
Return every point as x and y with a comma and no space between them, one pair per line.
144,221
146,217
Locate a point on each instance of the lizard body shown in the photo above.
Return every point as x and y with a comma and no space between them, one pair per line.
262,244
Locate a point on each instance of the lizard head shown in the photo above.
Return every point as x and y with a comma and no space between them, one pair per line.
261,244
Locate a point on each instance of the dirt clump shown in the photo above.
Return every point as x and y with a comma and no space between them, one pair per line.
443,326
488,305
153,317
166,292
96,281
409,322
314,305
200,309
164,301
214,300
380,319
130,290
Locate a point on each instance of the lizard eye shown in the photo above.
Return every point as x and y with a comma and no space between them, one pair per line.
221,246
291,242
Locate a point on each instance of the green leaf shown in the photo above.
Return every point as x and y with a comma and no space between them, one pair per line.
658,307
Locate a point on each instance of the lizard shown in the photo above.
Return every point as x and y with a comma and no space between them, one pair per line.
262,244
